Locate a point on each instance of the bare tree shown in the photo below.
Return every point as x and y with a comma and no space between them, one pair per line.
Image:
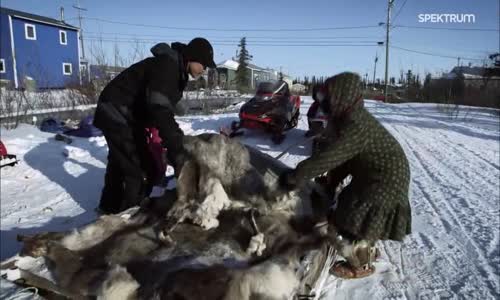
138,51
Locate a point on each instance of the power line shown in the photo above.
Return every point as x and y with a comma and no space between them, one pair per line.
288,29
399,11
235,37
461,50
234,30
236,43
446,28
434,54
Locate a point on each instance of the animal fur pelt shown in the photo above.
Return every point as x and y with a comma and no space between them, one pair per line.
223,173
126,255
271,278
134,258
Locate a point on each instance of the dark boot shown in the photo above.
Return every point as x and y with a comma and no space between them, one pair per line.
112,192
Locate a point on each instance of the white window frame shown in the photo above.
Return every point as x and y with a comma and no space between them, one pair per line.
26,25
61,32
3,69
70,68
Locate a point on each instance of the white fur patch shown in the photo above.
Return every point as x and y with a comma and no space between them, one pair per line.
215,201
119,284
93,234
257,245
268,280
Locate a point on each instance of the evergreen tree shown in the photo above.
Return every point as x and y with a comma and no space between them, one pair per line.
417,82
427,87
242,73
306,81
409,79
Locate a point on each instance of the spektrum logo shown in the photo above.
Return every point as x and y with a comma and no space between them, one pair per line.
446,18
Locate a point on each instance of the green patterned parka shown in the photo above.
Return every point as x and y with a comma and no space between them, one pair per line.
375,205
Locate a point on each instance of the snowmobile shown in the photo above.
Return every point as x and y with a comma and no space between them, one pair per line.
272,109
7,159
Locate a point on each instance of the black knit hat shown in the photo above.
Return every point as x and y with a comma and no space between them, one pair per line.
200,50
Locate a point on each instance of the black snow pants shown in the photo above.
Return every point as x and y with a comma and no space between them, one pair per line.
129,166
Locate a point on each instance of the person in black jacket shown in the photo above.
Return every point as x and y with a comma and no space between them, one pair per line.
142,96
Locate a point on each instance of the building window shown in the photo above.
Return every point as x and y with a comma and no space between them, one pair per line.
2,65
67,69
62,37
30,31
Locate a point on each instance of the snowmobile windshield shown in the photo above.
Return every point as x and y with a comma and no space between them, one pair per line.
267,90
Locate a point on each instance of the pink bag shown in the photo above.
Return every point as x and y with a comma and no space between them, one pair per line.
158,154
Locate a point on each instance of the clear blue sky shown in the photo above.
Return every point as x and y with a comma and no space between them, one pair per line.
295,60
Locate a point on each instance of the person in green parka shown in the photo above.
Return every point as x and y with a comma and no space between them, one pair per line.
375,205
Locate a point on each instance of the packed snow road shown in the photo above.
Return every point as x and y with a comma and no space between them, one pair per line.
453,252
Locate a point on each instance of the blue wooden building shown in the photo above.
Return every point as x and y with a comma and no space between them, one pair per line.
39,49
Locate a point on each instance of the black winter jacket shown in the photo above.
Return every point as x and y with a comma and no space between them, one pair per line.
145,95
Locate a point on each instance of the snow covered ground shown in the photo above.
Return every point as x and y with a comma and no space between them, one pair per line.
453,253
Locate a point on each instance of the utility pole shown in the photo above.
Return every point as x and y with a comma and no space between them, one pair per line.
387,24
375,68
79,8
458,61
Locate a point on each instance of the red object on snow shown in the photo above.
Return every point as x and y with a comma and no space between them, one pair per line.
3,150
6,159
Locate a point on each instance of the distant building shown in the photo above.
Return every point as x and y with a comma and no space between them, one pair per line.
298,88
37,49
476,76
226,71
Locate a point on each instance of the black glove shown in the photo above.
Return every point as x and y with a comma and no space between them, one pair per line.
288,181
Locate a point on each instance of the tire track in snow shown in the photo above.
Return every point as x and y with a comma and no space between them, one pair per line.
416,278
427,171
478,156
474,204
472,156
421,280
